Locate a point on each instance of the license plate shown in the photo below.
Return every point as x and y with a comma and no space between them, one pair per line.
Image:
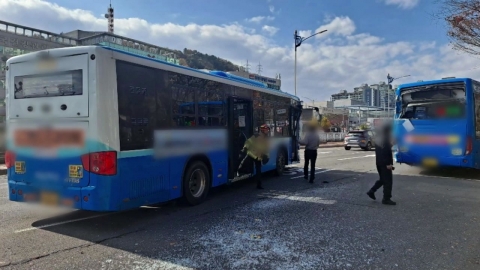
75,171
19,167
430,162
49,198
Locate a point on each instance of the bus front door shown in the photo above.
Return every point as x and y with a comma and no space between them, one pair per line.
295,114
240,129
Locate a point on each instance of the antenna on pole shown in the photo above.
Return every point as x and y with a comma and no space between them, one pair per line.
259,70
109,17
247,67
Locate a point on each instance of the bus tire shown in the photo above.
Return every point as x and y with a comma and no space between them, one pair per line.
196,183
280,162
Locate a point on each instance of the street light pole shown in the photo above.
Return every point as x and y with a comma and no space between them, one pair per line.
390,79
295,75
313,101
298,41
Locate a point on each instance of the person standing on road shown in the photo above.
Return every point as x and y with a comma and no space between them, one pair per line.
257,150
384,162
312,142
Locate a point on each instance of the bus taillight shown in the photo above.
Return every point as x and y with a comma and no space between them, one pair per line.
469,146
103,163
9,159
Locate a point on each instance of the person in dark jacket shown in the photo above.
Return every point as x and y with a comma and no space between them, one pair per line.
311,141
384,162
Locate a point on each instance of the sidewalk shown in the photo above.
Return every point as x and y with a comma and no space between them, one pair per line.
327,145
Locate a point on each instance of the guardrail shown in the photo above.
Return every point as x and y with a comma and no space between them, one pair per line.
330,136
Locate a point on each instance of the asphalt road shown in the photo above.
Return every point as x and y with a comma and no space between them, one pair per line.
289,225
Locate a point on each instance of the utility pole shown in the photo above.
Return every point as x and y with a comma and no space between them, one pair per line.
259,71
247,67
390,79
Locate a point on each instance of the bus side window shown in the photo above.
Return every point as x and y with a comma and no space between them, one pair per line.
476,94
136,86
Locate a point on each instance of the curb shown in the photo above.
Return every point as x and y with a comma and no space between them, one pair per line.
331,146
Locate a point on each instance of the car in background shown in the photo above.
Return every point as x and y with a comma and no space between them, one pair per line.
364,139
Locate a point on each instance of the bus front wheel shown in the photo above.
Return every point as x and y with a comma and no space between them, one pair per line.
196,183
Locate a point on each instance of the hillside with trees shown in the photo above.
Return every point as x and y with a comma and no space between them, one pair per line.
198,60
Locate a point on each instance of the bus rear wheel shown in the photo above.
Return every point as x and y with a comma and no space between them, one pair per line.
196,183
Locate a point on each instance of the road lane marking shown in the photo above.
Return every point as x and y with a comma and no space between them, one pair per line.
315,173
58,223
324,152
356,157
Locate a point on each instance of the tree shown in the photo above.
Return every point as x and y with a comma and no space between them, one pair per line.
183,62
463,20
325,124
363,126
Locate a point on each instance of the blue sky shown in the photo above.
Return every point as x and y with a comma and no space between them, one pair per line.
366,39
371,16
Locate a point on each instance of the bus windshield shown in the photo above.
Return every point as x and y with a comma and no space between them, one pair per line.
436,101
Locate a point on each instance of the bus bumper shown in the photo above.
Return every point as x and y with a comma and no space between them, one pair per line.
83,198
414,160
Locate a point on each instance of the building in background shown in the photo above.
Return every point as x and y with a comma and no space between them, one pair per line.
323,104
376,95
272,83
371,96
357,94
385,94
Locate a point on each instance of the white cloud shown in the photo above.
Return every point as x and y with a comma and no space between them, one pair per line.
405,4
270,29
339,26
259,19
305,33
427,45
271,8
341,59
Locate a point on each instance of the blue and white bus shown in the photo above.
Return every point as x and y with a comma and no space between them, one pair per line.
100,129
438,123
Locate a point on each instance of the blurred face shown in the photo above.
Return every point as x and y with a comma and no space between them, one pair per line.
264,131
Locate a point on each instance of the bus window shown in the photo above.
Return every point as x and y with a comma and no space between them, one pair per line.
476,93
67,83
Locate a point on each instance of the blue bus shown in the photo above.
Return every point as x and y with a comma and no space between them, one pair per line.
100,129
437,123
